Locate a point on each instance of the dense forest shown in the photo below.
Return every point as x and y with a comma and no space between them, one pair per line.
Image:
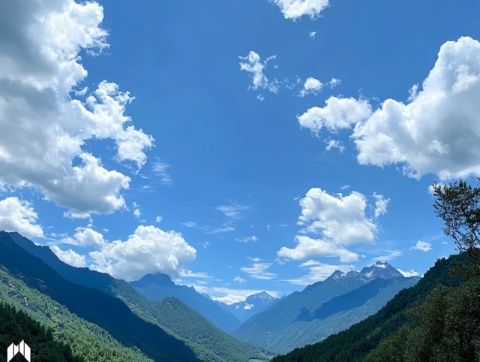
16,326
436,320
85,340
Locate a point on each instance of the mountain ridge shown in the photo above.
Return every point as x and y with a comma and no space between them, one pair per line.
212,349
158,286
363,338
252,305
294,320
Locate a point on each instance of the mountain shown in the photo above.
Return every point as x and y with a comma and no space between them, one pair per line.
418,318
202,336
254,304
15,325
159,286
214,345
324,308
92,305
45,325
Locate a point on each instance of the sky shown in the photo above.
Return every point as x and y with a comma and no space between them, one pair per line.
237,146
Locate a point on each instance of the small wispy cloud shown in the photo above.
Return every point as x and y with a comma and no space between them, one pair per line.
259,270
160,169
232,210
247,239
422,246
389,256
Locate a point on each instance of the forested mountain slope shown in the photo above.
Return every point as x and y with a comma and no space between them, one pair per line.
324,308
92,305
393,323
51,330
208,342
16,326
159,286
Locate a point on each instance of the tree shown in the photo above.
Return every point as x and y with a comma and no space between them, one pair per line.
458,204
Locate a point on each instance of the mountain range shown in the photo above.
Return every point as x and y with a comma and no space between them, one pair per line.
155,319
434,320
163,331
252,305
324,308
157,287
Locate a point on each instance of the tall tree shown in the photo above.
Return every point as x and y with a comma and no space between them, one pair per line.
458,204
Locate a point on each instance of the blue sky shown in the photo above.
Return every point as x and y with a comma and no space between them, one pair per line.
220,164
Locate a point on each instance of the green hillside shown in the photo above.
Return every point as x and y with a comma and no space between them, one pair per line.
16,326
85,341
178,318
323,308
389,326
207,341
303,332
101,309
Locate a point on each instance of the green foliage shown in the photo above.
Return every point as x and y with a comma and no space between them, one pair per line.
362,338
16,325
97,307
205,340
458,204
85,341
210,343
445,328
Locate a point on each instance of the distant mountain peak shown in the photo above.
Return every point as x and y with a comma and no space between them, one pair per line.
259,296
337,274
155,278
381,269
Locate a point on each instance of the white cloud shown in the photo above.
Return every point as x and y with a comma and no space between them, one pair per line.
211,229
438,130
307,247
232,210
381,204
408,273
69,257
422,246
137,212
161,170
259,270
339,218
294,9
338,113
190,224
391,254
311,86
148,250
247,239
221,230
196,275
334,82
252,63
317,272
334,144
312,34
336,221
86,237
240,280
44,127
159,219
18,215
